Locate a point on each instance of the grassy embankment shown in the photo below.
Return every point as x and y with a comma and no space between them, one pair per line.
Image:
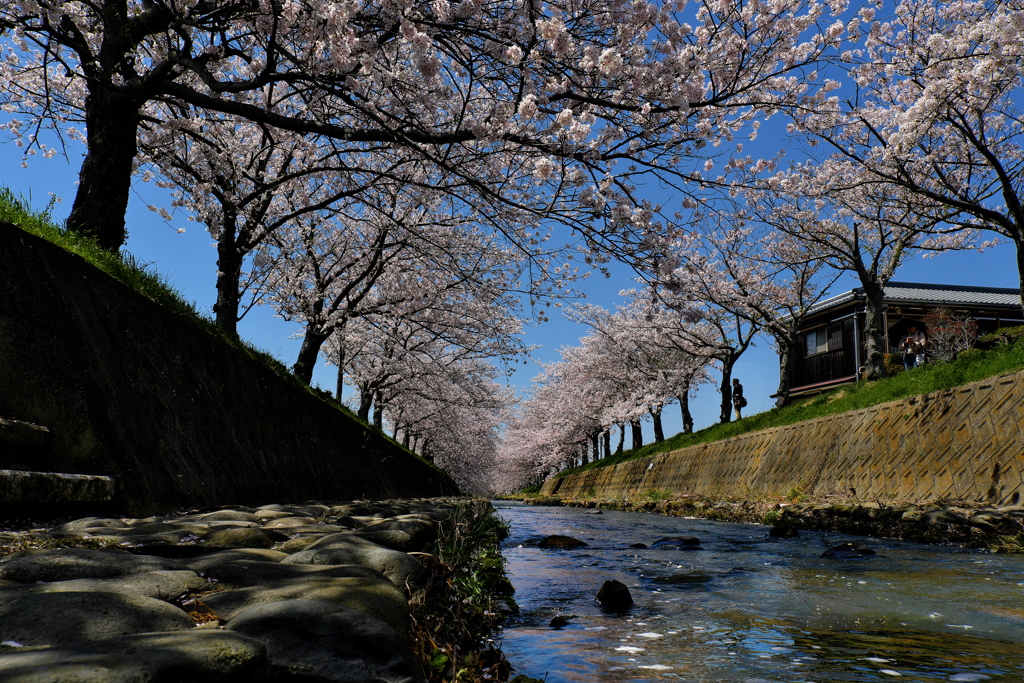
125,268
996,354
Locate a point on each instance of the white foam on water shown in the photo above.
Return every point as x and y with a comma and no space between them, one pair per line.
649,634
968,677
655,667
629,648
876,660
890,672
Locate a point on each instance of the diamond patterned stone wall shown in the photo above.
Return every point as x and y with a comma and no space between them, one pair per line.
959,444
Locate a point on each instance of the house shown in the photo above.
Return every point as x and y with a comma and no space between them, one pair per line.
831,351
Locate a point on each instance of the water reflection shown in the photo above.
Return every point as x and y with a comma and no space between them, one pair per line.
744,607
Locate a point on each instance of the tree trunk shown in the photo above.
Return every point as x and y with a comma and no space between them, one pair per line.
595,444
340,390
725,416
111,120
365,402
622,437
684,409
308,354
659,433
1018,242
607,442
787,357
229,274
583,453
874,343
378,411
638,434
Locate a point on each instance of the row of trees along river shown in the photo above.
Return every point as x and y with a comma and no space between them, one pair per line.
412,182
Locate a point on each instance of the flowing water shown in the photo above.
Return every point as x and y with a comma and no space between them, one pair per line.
745,607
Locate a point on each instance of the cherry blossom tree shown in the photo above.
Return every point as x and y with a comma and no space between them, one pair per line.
244,184
703,278
765,277
456,415
640,341
628,368
857,225
930,108
326,268
558,109
438,322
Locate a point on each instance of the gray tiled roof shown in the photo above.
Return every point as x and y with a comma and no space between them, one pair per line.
918,292
951,294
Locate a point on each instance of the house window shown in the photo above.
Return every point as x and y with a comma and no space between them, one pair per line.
817,342
824,339
835,337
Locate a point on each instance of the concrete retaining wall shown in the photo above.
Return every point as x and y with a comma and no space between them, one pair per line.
963,444
177,417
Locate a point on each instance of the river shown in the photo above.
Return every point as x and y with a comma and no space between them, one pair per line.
745,607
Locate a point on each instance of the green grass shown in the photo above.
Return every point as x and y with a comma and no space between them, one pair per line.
122,267
465,599
999,353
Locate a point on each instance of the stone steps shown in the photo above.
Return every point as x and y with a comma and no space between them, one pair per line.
19,486
25,451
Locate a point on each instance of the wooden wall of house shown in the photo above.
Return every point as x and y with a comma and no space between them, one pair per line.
830,365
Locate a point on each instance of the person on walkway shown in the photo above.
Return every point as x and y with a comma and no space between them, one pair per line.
738,402
913,346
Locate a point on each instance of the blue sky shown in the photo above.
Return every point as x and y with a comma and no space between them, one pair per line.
187,261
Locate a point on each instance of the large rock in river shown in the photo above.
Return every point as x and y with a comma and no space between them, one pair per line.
614,595
558,541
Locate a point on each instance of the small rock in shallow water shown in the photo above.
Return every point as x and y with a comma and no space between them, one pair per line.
847,550
559,621
637,545
784,531
678,542
683,578
614,595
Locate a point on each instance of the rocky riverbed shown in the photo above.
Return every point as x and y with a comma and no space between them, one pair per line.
968,523
309,592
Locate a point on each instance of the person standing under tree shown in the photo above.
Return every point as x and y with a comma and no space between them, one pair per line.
738,402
